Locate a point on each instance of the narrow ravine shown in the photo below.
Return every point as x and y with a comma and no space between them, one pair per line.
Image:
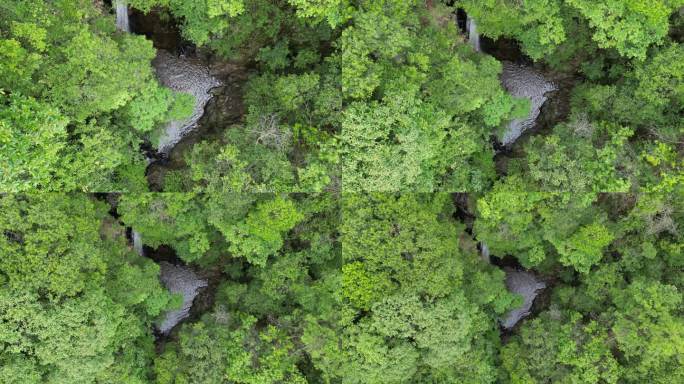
187,75
181,74
524,82
521,81
178,279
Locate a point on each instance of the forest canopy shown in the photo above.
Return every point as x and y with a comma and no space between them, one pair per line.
341,191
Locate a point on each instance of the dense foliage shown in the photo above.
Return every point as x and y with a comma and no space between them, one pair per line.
76,303
357,221
76,99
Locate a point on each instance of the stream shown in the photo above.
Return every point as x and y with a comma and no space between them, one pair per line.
519,281
181,74
185,75
523,283
178,279
183,280
520,81
524,82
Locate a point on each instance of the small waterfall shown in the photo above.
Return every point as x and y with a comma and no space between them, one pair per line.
525,82
122,16
137,243
484,252
183,75
523,283
473,36
183,280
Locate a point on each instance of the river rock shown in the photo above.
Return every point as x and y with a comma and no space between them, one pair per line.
183,280
525,82
186,75
523,283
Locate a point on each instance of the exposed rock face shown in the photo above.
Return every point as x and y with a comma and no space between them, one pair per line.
522,81
183,75
523,283
179,279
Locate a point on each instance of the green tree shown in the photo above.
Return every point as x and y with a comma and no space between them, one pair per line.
246,225
421,104
68,75
547,27
174,219
254,332
557,347
261,233
229,348
543,228
628,26
288,142
76,304
405,313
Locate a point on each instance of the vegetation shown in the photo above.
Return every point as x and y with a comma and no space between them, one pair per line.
357,221
77,99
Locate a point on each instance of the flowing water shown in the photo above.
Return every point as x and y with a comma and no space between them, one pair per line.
183,75
183,280
484,252
523,283
122,16
137,243
473,35
520,81
177,279
180,74
525,82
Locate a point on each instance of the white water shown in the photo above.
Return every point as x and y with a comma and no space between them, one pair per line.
523,283
183,280
122,16
473,35
177,279
519,81
137,243
484,251
522,81
183,75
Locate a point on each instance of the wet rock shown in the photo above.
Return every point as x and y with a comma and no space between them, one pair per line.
523,283
183,280
187,75
524,81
